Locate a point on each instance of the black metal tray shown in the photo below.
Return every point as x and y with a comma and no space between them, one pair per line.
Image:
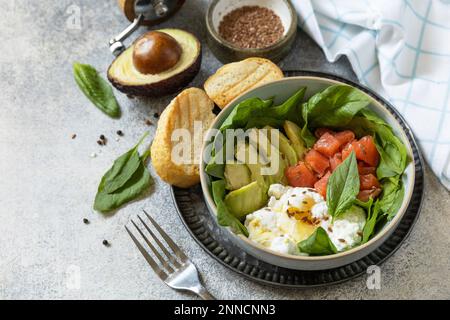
214,240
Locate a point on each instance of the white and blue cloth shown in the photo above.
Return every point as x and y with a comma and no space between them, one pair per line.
400,49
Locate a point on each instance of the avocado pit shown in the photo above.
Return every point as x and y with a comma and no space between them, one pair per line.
159,63
156,52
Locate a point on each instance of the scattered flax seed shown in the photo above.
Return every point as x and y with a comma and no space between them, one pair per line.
85,221
330,229
359,233
105,243
251,27
342,240
74,136
119,133
102,137
325,218
148,122
156,115
100,142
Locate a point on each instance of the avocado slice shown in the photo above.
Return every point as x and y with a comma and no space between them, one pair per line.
245,152
293,132
247,199
125,77
284,145
266,148
237,175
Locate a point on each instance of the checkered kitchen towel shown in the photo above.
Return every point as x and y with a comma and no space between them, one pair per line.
399,48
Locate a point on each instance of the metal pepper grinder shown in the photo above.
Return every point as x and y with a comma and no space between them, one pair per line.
142,13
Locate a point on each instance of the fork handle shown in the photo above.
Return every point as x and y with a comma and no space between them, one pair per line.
203,293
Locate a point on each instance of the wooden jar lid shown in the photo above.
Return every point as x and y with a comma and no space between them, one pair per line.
127,7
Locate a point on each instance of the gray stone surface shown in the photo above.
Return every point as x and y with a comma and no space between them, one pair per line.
48,180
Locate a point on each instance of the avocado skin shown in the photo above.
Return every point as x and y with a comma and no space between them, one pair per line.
163,87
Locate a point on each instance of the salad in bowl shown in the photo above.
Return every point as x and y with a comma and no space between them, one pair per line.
316,174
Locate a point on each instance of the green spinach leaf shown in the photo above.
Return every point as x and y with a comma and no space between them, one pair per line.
372,216
334,107
288,110
307,136
240,115
216,168
260,122
127,185
393,154
96,89
365,205
392,196
317,244
134,187
224,217
343,186
123,168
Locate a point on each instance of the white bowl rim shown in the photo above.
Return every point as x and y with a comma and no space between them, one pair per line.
386,230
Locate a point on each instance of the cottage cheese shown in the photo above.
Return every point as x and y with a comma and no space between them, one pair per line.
292,215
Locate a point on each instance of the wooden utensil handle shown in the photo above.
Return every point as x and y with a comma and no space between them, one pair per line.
127,7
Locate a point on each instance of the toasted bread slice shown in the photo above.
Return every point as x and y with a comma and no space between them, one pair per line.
233,79
174,161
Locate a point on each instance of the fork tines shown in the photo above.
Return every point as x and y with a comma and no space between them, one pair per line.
168,262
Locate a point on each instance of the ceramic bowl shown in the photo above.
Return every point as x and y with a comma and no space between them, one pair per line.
281,90
227,52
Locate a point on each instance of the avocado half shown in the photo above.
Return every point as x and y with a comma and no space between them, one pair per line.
126,78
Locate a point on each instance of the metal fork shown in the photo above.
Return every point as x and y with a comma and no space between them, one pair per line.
175,270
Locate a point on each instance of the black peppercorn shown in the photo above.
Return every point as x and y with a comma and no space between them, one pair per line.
86,221
156,115
105,243
102,137
119,132
100,142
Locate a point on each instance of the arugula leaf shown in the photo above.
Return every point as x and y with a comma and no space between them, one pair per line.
317,244
224,217
343,186
126,182
96,89
123,168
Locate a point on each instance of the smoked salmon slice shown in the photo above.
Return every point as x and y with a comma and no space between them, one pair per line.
300,176
317,162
